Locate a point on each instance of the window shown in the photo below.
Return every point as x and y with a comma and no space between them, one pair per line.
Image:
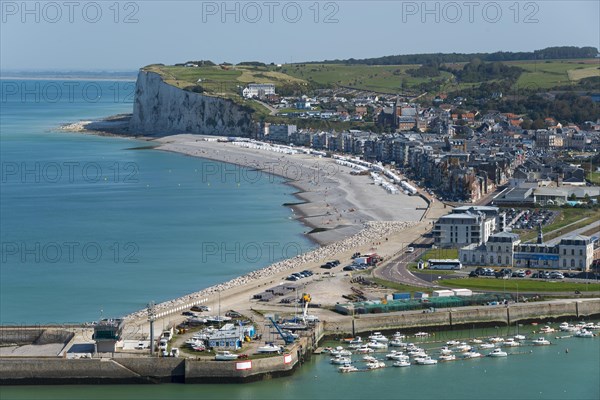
491,259
572,263
564,263
580,252
572,252
507,260
564,252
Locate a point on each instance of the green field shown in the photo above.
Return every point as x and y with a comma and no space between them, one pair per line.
520,285
594,177
548,74
378,78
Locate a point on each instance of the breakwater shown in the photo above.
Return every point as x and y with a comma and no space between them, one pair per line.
28,370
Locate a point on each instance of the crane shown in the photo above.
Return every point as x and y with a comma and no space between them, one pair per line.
287,337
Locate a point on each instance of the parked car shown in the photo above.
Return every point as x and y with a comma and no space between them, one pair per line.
410,249
349,268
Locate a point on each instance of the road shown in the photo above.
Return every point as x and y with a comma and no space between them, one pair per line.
396,269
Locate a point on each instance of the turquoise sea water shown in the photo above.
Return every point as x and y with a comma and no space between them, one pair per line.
533,372
91,226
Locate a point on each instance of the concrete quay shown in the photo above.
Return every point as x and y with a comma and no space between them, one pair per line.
126,369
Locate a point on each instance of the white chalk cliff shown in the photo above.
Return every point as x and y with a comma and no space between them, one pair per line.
161,109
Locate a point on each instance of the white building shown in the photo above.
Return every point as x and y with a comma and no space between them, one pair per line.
258,90
576,252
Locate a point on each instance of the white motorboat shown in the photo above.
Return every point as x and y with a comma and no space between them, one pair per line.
355,346
378,337
566,327
398,356
426,361
376,365
510,342
452,343
583,333
398,336
347,368
447,357
421,334
401,363
476,341
487,346
225,355
419,354
520,337
340,351
591,326
397,343
472,354
496,340
547,329
356,340
364,349
445,351
269,348
339,360
498,353
541,341
463,347
377,345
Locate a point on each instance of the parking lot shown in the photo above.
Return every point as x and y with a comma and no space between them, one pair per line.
528,219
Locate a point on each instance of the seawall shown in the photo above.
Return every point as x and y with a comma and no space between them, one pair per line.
467,316
27,371
160,109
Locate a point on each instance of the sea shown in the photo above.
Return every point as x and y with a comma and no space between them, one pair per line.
99,226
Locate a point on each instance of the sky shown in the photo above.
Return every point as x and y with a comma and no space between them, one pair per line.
125,35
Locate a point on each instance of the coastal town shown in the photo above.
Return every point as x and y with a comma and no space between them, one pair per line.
429,216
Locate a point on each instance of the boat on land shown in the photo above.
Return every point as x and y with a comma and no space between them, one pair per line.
269,348
497,352
541,341
225,355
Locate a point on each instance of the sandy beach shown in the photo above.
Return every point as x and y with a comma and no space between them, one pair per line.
343,213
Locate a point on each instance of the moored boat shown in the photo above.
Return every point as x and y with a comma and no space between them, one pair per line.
541,341
426,361
583,333
340,360
472,354
498,353
447,357
401,363
376,365
547,329
347,368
